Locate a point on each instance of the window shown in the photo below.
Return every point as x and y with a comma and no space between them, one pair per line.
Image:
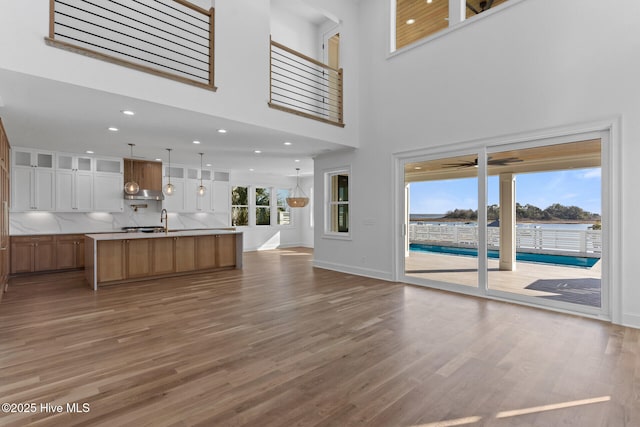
263,206
337,217
284,214
418,19
239,206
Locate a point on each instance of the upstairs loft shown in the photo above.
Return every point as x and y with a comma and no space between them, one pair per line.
175,39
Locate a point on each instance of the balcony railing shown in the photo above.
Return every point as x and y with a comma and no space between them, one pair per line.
534,239
168,38
304,86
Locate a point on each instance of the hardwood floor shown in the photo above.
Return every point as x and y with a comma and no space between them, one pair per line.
283,344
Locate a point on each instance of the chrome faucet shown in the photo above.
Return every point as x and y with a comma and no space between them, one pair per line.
164,218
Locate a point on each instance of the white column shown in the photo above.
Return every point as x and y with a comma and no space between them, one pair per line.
507,222
456,11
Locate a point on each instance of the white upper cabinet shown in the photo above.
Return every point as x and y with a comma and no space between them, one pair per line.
74,183
33,184
108,185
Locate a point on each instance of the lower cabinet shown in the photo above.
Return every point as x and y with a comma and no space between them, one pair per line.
134,259
138,258
163,260
31,254
185,253
111,260
69,251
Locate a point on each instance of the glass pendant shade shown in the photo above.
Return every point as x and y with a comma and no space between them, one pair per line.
202,190
169,188
298,198
131,187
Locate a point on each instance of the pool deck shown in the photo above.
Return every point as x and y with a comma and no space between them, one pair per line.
463,270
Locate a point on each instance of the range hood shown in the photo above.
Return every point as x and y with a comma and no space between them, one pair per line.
145,195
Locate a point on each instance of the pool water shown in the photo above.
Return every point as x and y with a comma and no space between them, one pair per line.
572,261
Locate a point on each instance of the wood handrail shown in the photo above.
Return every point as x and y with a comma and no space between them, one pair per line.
303,56
141,65
197,8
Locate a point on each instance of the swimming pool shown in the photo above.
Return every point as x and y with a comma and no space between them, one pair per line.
572,261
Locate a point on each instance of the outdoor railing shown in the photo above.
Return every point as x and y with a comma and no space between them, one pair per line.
168,38
538,239
304,86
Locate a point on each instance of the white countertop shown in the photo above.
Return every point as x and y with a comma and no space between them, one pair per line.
176,233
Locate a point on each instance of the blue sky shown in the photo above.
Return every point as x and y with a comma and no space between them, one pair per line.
576,187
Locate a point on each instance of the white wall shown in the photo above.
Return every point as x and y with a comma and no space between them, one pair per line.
292,31
242,50
535,65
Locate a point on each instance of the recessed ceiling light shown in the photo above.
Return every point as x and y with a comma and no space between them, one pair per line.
222,131
128,112
196,142
208,165
113,129
251,170
287,143
297,160
89,152
411,21
257,151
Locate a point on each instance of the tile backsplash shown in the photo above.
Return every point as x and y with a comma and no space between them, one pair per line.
23,223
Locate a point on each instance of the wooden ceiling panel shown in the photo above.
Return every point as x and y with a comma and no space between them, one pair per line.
574,155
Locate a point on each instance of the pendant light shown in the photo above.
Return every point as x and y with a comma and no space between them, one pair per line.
169,187
298,199
201,189
131,187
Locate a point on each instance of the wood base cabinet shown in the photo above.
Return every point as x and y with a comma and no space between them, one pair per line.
31,254
69,251
34,254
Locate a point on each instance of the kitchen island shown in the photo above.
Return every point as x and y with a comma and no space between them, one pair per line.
112,258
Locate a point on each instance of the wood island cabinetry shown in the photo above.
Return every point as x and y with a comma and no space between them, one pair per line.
185,253
113,258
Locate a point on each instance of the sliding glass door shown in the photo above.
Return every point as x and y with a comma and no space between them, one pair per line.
540,225
443,221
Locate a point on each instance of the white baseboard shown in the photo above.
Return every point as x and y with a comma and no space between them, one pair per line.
367,272
631,320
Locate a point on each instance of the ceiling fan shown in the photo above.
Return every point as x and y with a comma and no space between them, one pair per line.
484,5
491,162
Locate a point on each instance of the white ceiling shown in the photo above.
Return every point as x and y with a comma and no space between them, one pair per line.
46,114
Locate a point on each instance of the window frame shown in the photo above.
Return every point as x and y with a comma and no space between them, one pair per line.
285,206
329,203
247,207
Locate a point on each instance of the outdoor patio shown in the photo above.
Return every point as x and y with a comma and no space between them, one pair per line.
569,284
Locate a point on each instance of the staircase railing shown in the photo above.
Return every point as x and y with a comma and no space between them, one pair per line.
304,86
168,38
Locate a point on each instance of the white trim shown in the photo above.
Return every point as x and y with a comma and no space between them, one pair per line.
608,131
357,271
326,176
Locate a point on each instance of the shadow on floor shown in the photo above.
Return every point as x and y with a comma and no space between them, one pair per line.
584,291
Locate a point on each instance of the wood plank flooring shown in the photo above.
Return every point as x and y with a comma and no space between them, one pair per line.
280,343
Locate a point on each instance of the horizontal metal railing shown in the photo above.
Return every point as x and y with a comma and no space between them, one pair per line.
537,239
169,38
304,86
